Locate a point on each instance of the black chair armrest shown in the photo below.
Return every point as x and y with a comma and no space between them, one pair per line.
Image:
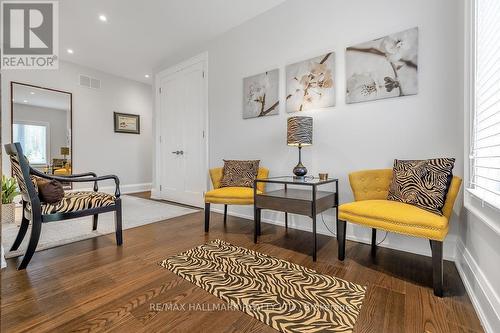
93,174
82,175
79,179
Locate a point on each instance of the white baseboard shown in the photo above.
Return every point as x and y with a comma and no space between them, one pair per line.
366,240
486,302
124,189
155,193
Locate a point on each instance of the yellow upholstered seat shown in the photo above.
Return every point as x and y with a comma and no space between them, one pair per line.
372,209
230,195
396,217
62,172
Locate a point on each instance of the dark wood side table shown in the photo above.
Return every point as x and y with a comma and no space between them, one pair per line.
297,197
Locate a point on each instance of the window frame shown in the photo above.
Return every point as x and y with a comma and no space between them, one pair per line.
473,202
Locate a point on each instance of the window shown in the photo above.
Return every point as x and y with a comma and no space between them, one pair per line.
485,138
34,139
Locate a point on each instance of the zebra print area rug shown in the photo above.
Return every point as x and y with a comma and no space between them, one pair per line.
283,295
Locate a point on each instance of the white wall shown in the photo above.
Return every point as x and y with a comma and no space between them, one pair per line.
95,145
346,137
57,120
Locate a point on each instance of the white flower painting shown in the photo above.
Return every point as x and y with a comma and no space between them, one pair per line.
261,94
310,85
383,68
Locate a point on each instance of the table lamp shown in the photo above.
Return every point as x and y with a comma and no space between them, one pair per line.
299,134
64,152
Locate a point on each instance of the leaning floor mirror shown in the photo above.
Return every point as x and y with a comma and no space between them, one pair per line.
41,122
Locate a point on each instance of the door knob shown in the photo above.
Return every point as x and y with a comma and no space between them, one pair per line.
181,152
175,152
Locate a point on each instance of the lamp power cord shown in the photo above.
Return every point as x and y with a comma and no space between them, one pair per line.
326,226
383,239
335,234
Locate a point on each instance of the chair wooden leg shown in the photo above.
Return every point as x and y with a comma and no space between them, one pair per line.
22,232
341,228
255,225
94,223
225,214
207,216
437,267
35,236
286,220
118,222
260,221
374,241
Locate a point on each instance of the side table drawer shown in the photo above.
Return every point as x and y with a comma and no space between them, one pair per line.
288,205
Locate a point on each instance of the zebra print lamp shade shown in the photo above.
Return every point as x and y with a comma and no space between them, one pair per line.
299,131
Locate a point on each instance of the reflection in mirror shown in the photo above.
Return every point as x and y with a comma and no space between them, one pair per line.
41,122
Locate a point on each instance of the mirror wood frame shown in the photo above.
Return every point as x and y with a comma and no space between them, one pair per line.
12,83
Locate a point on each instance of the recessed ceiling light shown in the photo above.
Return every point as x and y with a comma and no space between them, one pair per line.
32,92
25,101
103,18
146,76
70,51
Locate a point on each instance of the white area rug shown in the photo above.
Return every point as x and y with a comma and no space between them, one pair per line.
136,212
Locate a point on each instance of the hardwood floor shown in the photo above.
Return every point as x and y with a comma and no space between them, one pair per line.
94,286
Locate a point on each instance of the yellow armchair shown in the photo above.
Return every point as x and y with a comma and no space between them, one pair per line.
230,195
64,171
372,209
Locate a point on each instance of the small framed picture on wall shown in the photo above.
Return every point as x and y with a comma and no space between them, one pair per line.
127,123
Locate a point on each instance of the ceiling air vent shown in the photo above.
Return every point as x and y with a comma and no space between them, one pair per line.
89,82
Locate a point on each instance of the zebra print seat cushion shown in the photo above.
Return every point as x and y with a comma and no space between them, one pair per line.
77,201
239,173
422,183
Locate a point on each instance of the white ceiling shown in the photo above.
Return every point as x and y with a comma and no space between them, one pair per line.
41,97
139,34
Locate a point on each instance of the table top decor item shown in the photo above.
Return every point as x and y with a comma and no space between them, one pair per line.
299,134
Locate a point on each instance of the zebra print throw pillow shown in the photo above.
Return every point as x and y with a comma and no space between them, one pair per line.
239,173
422,183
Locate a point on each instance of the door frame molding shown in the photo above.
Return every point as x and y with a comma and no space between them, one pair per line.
200,58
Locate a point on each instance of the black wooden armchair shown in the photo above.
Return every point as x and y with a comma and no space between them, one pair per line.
73,205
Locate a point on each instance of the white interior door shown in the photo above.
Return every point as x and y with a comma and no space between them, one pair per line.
183,149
